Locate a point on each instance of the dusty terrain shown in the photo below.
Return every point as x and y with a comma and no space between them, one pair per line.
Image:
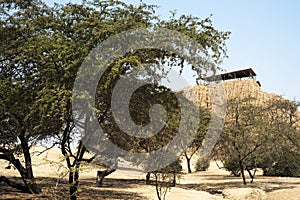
214,184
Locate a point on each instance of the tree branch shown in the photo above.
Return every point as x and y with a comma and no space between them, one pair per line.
15,185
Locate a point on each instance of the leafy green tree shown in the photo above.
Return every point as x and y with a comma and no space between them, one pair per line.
24,39
197,142
244,136
43,47
281,156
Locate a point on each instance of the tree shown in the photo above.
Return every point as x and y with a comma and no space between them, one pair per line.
113,17
43,48
281,156
197,142
165,178
119,68
23,42
243,137
261,136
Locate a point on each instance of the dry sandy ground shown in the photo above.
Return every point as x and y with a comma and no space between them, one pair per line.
213,184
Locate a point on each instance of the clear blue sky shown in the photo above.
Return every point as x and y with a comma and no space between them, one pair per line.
265,36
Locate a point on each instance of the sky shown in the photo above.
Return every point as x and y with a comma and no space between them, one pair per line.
265,35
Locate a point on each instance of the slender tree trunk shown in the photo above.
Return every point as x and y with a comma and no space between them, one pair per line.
148,178
26,172
189,165
158,192
102,174
243,172
74,171
188,161
174,180
251,175
73,182
9,156
72,186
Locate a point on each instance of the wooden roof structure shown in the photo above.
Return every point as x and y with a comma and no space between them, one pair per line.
231,75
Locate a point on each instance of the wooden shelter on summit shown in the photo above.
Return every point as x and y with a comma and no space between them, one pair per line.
245,73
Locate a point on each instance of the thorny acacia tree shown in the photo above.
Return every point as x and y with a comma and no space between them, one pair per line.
244,136
281,155
43,47
24,54
261,136
199,137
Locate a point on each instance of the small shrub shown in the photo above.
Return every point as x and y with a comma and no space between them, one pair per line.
232,165
202,165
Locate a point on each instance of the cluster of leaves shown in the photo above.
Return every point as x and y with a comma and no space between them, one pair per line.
202,164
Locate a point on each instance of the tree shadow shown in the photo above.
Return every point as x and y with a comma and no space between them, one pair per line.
116,183
231,182
53,189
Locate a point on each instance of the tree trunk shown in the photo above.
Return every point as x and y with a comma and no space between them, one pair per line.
158,192
15,185
73,182
26,172
189,165
174,180
74,171
28,178
188,161
243,173
251,175
148,178
101,175
29,183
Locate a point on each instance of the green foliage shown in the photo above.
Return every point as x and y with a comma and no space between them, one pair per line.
174,167
233,166
282,155
42,49
265,136
202,164
165,178
286,165
243,136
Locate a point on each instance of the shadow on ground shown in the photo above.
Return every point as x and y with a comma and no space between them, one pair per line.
229,182
58,189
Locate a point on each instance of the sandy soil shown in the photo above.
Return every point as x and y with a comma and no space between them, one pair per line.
213,184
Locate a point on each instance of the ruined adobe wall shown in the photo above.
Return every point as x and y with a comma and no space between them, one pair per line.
233,89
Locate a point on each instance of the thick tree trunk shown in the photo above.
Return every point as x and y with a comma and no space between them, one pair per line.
28,178
26,172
